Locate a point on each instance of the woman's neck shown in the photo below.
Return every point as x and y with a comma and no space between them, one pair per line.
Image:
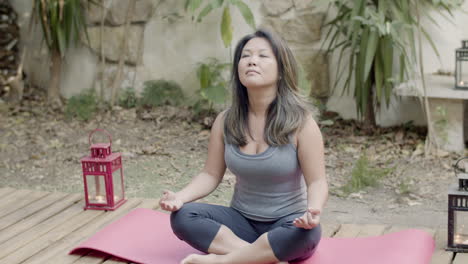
260,100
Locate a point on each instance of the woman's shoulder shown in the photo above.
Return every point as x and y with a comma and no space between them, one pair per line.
221,116
218,124
309,126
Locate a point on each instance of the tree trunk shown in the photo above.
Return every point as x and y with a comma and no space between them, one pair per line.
369,115
53,92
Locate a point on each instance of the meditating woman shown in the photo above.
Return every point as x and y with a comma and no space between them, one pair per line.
269,140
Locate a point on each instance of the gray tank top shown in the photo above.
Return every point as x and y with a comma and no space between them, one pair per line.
269,185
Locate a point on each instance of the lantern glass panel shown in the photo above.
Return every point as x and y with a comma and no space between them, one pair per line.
462,73
461,228
118,184
96,189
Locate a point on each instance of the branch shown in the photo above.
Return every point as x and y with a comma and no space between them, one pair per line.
430,140
123,47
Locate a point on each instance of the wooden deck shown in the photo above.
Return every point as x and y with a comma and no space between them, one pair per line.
42,227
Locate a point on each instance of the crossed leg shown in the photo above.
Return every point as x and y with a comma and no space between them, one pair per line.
228,237
228,248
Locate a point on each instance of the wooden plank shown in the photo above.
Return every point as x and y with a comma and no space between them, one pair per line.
329,229
349,230
30,209
21,202
42,240
39,217
147,203
92,258
372,230
15,243
58,252
115,261
441,256
4,192
397,228
461,258
11,200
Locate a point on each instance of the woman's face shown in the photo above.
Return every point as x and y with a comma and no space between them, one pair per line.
258,66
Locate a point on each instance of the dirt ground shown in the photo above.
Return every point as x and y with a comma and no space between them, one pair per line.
164,148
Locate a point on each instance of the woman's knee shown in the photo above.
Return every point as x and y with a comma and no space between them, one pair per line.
180,219
294,243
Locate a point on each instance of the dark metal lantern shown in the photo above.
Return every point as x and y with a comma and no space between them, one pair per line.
461,66
458,209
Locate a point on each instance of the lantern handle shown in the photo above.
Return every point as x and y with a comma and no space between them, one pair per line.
457,169
101,130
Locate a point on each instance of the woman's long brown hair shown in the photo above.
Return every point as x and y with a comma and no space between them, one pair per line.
288,111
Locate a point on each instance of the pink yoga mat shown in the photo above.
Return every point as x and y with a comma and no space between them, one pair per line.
145,236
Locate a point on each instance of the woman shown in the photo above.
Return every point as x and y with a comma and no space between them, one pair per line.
270,141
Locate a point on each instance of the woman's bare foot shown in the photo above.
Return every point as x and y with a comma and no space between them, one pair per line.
202,259
208,259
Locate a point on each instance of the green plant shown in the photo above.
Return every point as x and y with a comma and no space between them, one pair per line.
62,23
160,92
364,175
441,123
371,34
404,187
213,79
128,98
82,106
226,22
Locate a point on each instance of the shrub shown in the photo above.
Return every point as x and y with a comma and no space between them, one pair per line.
161,92
364,175
128,98
82,106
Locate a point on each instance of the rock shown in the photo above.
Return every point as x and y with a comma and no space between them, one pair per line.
357,195
442,153
117,10
315,66
303,29
276,8
112,41
303,4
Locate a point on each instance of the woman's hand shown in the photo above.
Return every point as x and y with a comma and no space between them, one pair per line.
309,220
170,202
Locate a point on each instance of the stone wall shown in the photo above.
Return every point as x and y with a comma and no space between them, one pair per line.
164,43
300,23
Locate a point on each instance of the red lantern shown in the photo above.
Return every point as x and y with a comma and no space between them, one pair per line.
103,176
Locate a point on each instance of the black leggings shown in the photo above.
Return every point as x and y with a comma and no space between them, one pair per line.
198,223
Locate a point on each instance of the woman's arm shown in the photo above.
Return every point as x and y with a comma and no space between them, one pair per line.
208,179
311,158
